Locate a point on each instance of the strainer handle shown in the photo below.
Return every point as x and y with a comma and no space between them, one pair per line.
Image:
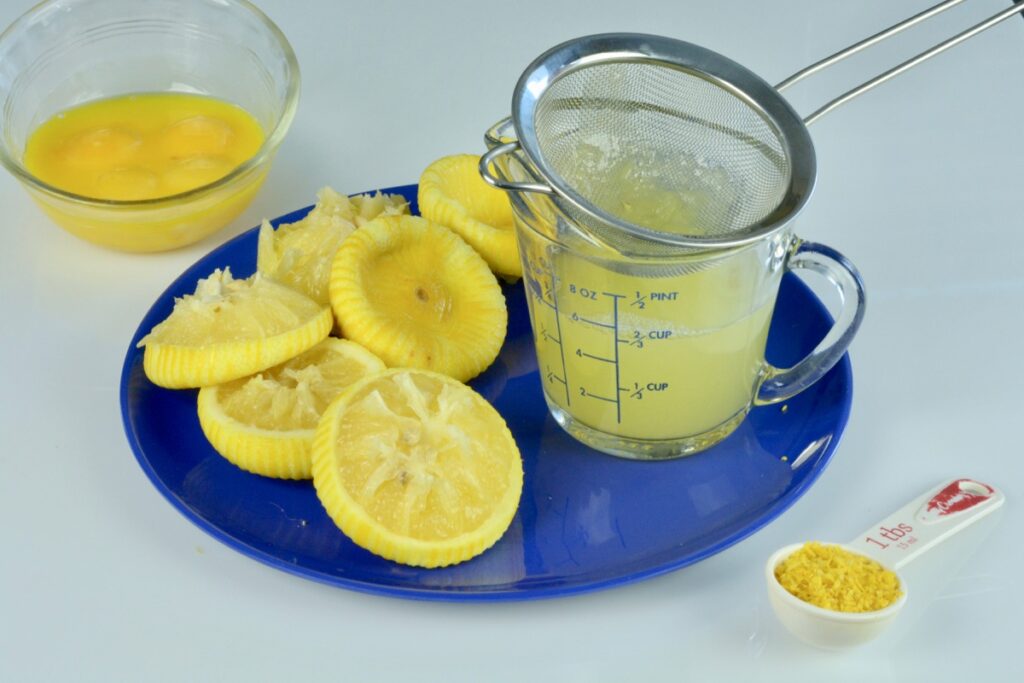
492,155
866,43
996,18
781,384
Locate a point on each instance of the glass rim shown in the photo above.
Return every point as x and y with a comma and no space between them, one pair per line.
522,207
269,146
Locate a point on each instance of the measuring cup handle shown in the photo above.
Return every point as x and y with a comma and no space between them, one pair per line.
782,384
492,155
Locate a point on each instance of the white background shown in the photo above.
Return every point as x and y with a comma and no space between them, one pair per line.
919,184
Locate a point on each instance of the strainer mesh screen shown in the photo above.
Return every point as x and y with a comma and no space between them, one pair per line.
661,148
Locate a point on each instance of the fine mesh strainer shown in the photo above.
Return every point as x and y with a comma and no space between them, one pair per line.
646,141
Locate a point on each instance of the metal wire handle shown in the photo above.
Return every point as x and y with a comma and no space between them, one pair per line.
539,187
900,68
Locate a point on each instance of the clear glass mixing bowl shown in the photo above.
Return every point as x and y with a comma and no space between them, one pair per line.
64,53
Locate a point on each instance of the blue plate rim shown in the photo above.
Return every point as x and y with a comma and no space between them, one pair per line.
781,505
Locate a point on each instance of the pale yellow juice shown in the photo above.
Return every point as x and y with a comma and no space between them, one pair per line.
664,348
664,357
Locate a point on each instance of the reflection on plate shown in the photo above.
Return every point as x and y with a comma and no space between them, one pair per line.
586,521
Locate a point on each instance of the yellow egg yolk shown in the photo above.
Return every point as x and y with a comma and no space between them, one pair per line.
142,146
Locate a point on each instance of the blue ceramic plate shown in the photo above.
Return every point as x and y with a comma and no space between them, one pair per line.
586,521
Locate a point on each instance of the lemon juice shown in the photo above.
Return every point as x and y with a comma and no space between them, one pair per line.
651,358
648,349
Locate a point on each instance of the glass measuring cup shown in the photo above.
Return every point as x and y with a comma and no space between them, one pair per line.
654,184
661,354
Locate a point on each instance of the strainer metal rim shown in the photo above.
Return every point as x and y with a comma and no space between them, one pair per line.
755,92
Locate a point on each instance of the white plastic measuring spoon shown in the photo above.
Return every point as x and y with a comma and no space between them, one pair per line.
894,542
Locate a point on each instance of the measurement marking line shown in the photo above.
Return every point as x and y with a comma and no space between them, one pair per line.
561,347
547,303
594,322
550,338
556,378
614,296
599,398
603,360
618,382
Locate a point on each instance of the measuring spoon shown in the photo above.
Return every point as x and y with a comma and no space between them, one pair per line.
894,542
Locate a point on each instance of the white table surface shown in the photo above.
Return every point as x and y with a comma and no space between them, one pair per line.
919,184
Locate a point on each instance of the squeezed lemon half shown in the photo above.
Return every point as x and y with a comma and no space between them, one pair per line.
410,463
299,254
453,194
265,423
416,295
417,468
229,329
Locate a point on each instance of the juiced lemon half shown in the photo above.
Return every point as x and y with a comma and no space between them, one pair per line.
299,254
265,423
230,329
453,194
418,296
417,468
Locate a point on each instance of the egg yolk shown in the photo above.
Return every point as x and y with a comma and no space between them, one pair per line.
142,146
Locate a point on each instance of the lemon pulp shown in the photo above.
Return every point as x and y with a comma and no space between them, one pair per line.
417,467
300,254
229,329
142,146
264,423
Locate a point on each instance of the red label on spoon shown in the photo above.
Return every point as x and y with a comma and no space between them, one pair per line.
960,495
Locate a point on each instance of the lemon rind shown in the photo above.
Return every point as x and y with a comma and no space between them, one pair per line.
269,453
349,516
496,246
281,454
174,366
361,322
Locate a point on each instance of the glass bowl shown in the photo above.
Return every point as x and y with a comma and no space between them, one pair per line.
63,53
